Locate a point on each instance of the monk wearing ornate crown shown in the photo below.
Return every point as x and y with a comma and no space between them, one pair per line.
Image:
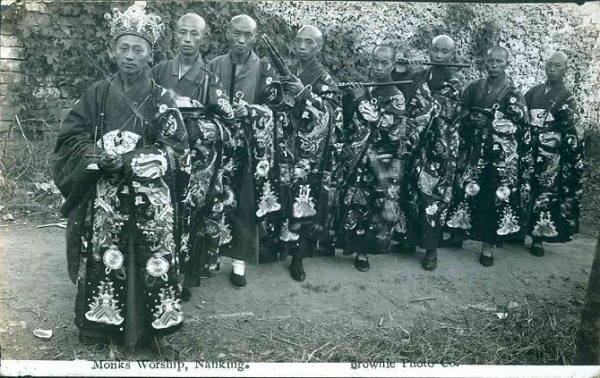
251,85
492,190
436,158
209,118
556,184
380,140
114,161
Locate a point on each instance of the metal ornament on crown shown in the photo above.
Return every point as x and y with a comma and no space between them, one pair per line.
135,21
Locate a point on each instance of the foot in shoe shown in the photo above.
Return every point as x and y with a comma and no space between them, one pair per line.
537,250
238,281
430,260
361,262
486,258
186,294
297,269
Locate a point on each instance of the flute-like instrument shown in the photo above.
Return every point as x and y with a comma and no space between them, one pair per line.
276,58
374,84
449,64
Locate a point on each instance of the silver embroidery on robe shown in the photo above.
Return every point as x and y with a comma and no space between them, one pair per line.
509,223
104,307
544,226
304,205
461,217
268,201
286,235
168,312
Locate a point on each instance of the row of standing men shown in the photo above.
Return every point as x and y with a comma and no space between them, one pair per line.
265,163
372,169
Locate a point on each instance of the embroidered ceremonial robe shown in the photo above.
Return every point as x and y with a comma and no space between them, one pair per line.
120,226
208,125
492,191
255,189
436,158
557,149
308,128
380,140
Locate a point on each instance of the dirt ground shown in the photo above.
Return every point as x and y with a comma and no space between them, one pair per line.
396,310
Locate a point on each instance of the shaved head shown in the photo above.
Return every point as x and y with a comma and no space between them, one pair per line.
383,60
308,43
441,49
189,34
560,57
496,61
556,67
241,35
244,20
192,19
387,51
498,50
310,31
443,40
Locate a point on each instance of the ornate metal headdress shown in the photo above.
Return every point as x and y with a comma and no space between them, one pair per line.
135,21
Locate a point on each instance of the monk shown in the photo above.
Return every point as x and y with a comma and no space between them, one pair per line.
209,117
114,162
306,156
251,85
380,139
436,158
556,184
492,192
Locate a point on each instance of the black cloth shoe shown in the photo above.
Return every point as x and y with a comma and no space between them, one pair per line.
237,281
186,294
537,250
429,263
297,269
486,260
361,265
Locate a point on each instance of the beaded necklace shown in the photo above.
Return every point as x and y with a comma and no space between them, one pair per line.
146,115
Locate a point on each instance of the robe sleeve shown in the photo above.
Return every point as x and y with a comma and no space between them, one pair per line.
572,162
76,141
218,103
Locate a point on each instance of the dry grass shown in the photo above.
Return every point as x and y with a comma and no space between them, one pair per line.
539,332
27,189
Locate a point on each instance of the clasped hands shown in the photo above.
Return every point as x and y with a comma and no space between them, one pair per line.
110,162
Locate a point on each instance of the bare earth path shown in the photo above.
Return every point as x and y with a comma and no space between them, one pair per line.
396,310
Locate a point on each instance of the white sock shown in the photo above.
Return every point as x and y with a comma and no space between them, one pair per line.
239,267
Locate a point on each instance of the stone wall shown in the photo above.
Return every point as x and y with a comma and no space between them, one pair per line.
48,93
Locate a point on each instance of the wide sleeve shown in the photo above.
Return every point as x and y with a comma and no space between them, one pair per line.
74,145
218,104
572,162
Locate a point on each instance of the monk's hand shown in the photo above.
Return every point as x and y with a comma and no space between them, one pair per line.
479,119
358,90
415,65
109,162
240,109
292,85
